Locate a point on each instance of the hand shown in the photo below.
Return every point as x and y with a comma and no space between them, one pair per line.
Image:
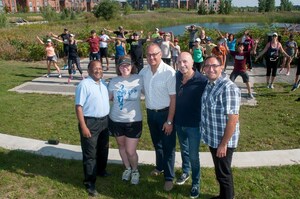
221,151
86,132
168,128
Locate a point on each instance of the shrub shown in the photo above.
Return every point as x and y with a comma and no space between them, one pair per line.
49,13
3,20
36,52
73,15
127,9
107,9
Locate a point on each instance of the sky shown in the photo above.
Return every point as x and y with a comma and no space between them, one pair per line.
244,3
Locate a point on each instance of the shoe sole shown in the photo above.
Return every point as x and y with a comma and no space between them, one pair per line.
181,183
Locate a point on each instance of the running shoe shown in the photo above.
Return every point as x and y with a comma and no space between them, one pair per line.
59,76
135,177
294,87
126,174
183,178
250,96
48,75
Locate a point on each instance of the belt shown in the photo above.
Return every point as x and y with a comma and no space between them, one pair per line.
159,110
95,118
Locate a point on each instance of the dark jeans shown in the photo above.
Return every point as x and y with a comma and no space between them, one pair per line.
95,148
164,144
76,61
94,56
224,173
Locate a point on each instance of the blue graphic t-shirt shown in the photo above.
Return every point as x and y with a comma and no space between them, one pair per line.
126,94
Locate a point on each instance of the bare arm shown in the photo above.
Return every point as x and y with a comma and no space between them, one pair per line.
264,51
166,127
41,42
57,39
79,113
229,131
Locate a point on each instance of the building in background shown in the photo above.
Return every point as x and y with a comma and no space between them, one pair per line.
36,5
87,5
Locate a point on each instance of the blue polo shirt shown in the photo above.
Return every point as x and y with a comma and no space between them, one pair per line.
188,100
93,97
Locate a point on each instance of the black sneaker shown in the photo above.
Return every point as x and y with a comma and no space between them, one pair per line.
194,192
183,178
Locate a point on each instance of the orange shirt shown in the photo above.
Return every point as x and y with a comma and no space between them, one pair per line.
220,52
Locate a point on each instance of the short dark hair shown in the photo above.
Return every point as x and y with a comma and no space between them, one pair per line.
93,62
93,31
213,56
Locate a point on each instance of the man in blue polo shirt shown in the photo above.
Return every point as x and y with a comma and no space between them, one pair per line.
92,109
220,122
190,84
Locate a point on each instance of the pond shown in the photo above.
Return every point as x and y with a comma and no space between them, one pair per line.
223,27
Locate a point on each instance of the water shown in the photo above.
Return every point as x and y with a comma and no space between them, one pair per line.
223,27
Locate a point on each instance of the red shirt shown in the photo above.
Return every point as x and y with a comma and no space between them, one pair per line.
240,60
94,43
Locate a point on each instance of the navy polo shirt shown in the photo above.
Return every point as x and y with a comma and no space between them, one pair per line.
188,100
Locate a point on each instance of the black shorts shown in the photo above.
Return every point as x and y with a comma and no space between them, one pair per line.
244,75
103,52
128,129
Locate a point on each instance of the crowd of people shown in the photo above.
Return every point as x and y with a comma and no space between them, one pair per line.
198,75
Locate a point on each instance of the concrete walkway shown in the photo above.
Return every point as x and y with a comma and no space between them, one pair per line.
54,85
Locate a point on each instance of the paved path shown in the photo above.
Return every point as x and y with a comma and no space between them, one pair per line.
54,85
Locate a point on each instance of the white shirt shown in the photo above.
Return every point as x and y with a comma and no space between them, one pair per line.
165,49
158,86
103,43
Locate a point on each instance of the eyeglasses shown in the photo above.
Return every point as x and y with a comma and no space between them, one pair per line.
211,65
153,54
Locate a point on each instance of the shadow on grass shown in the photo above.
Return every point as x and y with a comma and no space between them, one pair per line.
31,76
70,172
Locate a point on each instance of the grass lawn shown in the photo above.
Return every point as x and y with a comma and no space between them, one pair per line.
24,175
273,124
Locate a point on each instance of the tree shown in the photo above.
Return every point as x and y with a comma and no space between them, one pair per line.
202,9
286,5
262,5
270,5
127,9
228,7
221,7
108,9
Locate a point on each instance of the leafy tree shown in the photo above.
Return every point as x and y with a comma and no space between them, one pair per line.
127,9
270,5
286,5
221,7
108,9
202,9
211,10
262,5
228,6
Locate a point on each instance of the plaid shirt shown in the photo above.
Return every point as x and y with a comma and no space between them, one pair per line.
219,100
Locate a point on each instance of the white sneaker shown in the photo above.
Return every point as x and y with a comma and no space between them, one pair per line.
48,75
135,177
126,174
59,76
271,86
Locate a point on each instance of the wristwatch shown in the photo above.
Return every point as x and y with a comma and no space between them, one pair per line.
169,123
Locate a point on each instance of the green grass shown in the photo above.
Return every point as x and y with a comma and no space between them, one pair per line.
271,125
24,175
